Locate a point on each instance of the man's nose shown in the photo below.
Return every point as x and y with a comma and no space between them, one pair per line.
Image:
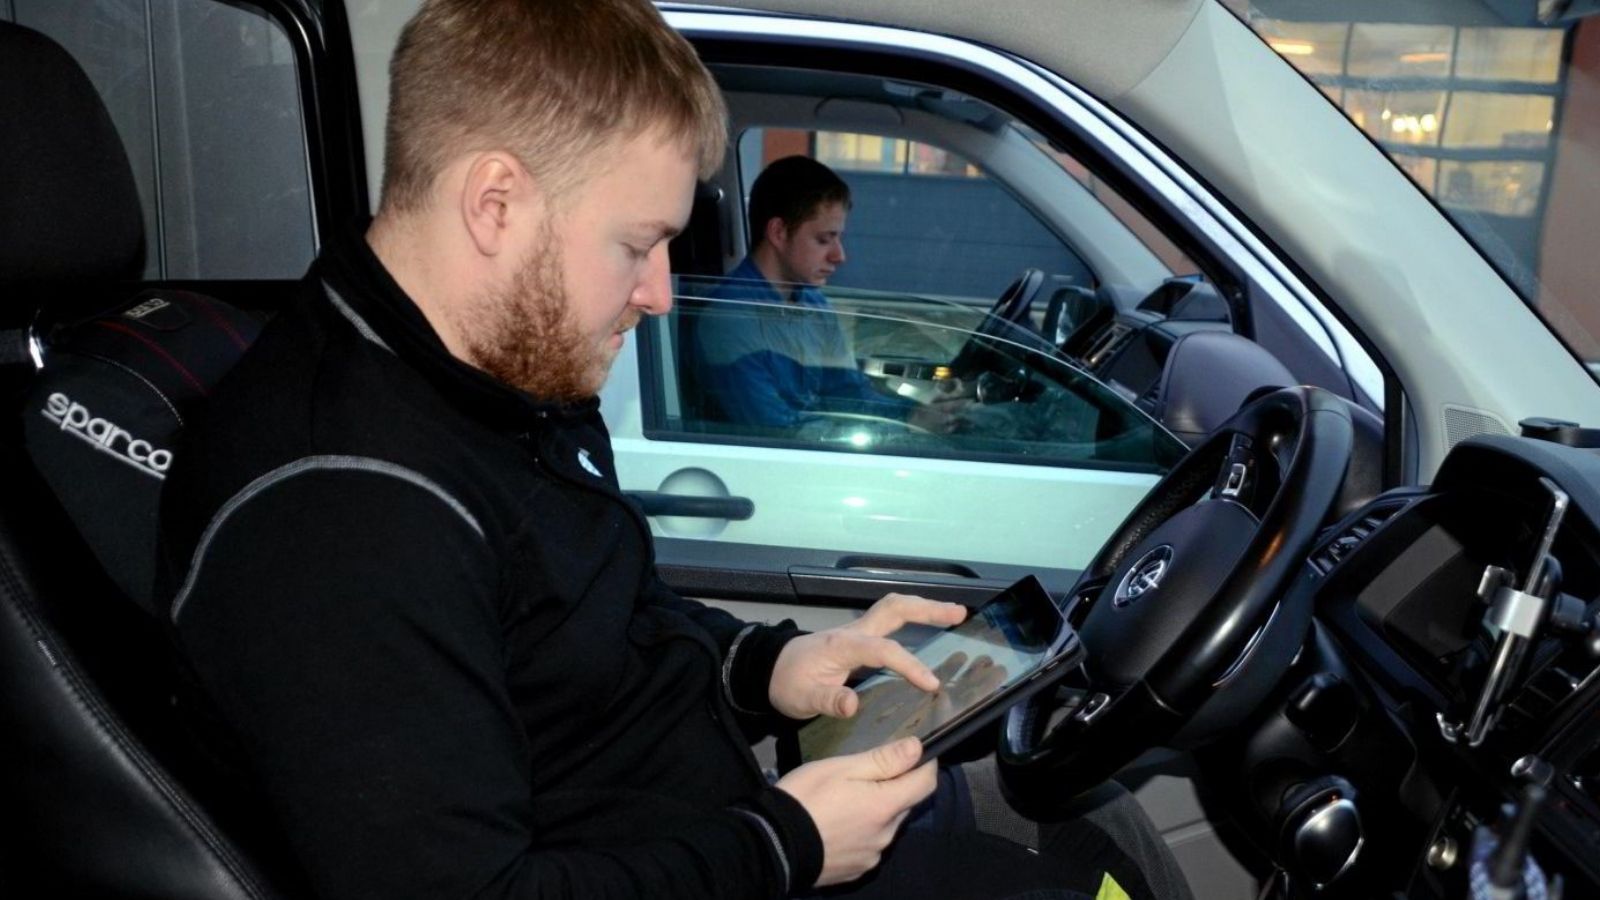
837,256
653,294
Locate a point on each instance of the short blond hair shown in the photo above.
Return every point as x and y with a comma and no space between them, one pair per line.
552,81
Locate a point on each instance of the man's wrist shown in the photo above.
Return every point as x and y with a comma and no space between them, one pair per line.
789,830
747,667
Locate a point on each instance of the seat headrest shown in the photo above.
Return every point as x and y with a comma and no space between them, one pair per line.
698,250
69,210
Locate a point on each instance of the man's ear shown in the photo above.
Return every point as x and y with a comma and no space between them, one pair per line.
777,233
496,185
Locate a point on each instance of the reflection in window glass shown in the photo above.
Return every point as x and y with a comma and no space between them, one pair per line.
873,153
1397,117
1424,170
925,159
1510,54
1317,47
1497,122
1386,50
1152,237
861,152
1480,119
1497,188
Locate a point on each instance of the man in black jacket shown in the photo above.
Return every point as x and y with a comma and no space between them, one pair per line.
418,616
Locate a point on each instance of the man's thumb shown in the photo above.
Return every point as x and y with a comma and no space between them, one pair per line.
894,760
839,702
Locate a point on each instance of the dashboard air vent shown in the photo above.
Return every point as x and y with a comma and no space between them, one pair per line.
1106,345
1348,538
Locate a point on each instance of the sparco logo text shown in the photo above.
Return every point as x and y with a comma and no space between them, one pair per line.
106,436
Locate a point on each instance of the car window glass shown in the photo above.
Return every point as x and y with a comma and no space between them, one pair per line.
1173,258
871,372
205,96
993,341
1493,116
923,219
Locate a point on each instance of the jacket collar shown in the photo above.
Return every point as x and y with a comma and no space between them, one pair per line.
352,279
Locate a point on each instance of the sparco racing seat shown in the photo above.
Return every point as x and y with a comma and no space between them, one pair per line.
86,763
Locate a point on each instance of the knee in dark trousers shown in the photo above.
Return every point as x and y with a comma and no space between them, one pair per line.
966,843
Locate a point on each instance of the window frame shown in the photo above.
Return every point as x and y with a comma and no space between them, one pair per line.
1242,264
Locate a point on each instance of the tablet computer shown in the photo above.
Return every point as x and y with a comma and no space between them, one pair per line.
1015,644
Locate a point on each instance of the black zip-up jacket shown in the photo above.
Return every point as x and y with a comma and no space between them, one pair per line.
429,630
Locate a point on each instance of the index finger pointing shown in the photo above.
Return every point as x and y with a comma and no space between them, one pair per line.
885,653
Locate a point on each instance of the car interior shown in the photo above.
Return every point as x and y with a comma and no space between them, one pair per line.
1115,313
1364,678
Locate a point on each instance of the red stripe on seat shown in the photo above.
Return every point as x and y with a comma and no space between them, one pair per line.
205,304
160,351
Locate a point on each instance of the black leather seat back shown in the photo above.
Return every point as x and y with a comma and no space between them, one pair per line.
87,750
94,813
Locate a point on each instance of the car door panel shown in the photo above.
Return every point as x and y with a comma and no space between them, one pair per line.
775,575
897,505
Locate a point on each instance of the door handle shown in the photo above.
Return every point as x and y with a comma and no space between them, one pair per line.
907,565
858,585
656,503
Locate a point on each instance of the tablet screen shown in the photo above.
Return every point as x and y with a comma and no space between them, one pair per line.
999,645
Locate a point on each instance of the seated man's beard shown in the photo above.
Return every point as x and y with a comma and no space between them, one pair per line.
525,336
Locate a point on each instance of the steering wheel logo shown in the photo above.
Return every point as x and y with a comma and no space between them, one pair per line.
1144,577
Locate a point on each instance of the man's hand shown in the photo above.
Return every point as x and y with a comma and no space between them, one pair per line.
858,803
808,678
940,416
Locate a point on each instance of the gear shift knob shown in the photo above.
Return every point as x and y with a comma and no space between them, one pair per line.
1320,829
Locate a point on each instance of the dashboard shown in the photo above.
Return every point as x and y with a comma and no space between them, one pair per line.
1454,660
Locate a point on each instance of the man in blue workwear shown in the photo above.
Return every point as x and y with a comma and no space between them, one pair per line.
770,350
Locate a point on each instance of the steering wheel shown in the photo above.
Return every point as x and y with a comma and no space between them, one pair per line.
898,425
1185,603
1003,323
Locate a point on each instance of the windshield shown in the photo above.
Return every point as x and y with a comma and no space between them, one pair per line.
1491,112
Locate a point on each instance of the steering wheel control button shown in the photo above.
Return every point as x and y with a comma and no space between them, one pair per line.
1234,483
1234,478
1144,577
